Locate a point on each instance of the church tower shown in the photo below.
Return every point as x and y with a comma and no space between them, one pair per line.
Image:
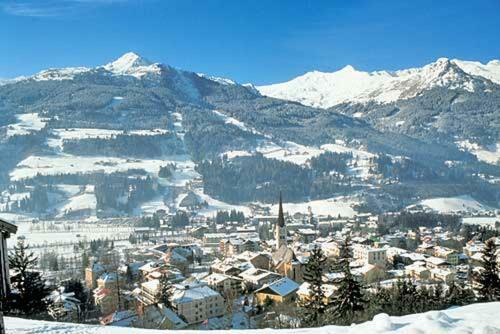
280,229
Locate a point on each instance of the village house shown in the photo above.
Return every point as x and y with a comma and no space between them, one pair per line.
283,290
304,292
234,246
224,284
255,278
92,273
107,293
370,255
198,303
451,256
158,316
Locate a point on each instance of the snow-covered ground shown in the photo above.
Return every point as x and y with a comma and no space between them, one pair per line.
27,123
85,200
485,221
471,319
50,233
490,154
71,164
332,206
216,205
454,204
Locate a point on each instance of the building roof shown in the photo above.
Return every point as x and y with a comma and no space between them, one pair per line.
282,287
328,289
191,294
7,227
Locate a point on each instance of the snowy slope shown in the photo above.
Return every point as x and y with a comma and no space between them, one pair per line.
471,319
454,204
324,90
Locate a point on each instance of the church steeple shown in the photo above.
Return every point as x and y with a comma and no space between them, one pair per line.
280,233
281,217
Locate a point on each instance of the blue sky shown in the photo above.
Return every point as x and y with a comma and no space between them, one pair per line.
258,41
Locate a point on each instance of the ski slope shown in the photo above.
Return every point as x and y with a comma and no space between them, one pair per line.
471,319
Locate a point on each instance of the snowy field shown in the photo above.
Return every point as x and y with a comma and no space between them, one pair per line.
471,319
332,206
58,135
51,233
27,123
485,221
454,204
71,164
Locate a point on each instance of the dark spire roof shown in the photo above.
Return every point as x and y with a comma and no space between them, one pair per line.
281,217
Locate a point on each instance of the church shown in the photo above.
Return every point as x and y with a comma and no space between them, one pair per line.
284,260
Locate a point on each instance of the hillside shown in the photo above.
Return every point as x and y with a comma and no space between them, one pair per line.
133,136
471,319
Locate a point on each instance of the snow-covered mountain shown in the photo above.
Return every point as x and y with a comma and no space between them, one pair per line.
132,64
324,90
92,134
129,64
471,319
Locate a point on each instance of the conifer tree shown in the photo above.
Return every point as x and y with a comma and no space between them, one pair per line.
314,307
30,290
457,295
488,279
349,300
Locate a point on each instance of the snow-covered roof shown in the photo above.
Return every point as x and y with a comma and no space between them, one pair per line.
191,294
282,287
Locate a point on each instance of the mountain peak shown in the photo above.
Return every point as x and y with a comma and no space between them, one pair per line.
126,63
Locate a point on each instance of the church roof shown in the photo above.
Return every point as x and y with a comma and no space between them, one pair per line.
284,254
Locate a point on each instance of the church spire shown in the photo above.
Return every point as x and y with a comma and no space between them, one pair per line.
281,217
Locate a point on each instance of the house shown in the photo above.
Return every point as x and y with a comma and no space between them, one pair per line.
436,262
224,284
370,273
150,292
451,256
64,306
106,300
304,292
418,271
306,235
213,239
442,275
370,255
257,259
255,278
233,246
158,316
120,319
280,291
92,273
107,293
197,304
